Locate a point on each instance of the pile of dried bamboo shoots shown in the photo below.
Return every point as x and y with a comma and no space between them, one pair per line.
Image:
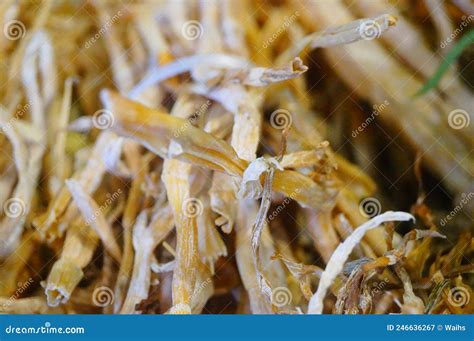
204,156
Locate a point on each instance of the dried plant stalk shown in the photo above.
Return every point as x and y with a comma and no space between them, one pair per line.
67,272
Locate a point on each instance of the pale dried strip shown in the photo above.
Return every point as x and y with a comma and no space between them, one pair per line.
355,184
465,5
14,265
59,209
210,243
130,213
251,186
203,290
245,219
385,302
397,85
176,176
66,273
143,244
211,39
159,268
247,118
412,304
219,122
261,76
12,227
9,10
151,34
304,158
8,178
29,159
245,140
257,230
440,18
305,132
39,61
342,252
233,27
112,158
155,130
302,272
360,183
408,42
122,73
58,153
178,15
28,305
186,64
338,35
322,231
145,239
94,217
17,57
223,199
349,204
250,76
